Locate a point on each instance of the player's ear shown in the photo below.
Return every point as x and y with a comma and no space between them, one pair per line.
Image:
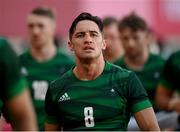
104,45
70,45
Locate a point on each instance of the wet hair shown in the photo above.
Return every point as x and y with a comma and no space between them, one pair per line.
85,16
134,22
107,21
44,11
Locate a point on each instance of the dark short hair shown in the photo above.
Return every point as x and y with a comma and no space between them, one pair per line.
43,11
107,21
85,16
134,22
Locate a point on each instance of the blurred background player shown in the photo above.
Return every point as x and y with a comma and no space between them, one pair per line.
167,97
134,34
135,37
14,96
43,61
114,49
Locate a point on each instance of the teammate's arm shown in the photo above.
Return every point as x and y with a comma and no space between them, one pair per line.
165,99
146,120
20,112
16,99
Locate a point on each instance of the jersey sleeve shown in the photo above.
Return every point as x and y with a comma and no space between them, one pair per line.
138,98
50,108
13,83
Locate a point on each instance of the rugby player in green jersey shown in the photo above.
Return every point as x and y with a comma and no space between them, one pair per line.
14,96
135,37
95,95
42,62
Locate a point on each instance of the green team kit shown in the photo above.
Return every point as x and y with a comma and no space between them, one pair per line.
12,82
105,103
40,74
171,73
149,75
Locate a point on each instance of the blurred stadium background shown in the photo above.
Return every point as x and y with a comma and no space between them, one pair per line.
163,16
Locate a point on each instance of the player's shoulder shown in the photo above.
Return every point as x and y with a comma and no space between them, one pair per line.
62,53
156,57
61,81
176,54
118,70
64,56
25,54
3,43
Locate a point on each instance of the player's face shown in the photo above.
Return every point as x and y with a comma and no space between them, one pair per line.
111,35
41,29
134,42
87,41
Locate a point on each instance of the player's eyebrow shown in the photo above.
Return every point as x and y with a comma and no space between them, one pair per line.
83,32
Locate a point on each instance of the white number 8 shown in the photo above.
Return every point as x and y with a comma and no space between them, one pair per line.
89,119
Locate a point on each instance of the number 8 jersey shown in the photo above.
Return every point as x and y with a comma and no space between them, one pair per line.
105,103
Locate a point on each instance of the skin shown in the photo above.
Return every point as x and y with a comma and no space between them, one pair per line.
135,44
21,111
146,120
41,31
87,43
114,49
165,99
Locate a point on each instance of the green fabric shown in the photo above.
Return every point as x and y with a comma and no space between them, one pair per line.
149,75
141,105
106,101
18,88
40,74
171,72
12,83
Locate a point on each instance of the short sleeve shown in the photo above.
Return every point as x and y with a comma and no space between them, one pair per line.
137,95
50,108
13,83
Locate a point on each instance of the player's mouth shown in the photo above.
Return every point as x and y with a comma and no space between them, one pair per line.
88,48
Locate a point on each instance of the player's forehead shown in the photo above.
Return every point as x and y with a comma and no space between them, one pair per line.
129,31
86,26
32,18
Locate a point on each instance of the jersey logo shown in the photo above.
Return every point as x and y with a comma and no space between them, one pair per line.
24,71
64,97
112,90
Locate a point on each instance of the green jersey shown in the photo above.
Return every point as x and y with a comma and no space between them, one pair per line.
12,82
39,75
149,75
171,73
105,103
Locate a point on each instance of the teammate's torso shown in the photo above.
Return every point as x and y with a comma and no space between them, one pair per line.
150,74
39,76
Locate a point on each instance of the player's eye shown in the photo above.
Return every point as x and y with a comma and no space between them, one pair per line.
79,35
30,26
94,34
40,25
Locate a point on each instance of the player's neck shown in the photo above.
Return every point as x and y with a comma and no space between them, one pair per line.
89,71
43,53
138,62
